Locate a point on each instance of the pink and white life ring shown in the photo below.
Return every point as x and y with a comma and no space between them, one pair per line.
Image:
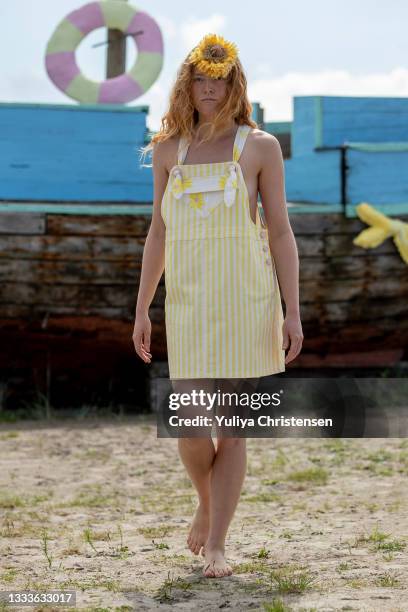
60,60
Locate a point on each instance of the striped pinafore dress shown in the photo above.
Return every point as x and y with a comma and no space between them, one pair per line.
223,309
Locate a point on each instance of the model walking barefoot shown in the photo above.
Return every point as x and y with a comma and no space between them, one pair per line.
224,270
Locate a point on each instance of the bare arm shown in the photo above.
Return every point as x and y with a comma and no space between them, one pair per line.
153,258
271,183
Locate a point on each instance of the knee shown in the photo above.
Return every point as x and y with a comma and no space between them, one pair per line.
231,443
193,444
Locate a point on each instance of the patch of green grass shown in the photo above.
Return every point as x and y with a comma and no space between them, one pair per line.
264,497
290,579
165,593
16,527
316,475
92,454
161,545
287,534
166,502
387,580
172,560
391,546
9,575
115,550
316,459
251,567
7,435
302,506
270,481
11,502
84,585
263,553
281,459
93,496
343,566
380,456
357,583
394,506
160,531
374,537
371,507
337,446
380,470
277,605
380,541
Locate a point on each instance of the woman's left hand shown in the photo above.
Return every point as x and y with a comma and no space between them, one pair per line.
292,336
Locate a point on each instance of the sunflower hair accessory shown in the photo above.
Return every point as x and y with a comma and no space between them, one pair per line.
214,56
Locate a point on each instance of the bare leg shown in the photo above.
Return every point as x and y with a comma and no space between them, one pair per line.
227,477
197,455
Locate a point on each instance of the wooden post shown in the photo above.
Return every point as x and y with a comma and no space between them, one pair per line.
116,52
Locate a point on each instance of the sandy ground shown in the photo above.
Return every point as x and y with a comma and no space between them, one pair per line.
103,507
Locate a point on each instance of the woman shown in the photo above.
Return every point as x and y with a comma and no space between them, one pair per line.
224,320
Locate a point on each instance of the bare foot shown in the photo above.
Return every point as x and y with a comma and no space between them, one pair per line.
199,531
215,565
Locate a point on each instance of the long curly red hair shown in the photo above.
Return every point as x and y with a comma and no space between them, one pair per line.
182,117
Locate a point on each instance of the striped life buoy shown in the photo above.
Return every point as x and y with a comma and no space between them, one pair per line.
60,60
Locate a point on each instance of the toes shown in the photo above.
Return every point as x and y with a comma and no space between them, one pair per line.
209,571
196,548
192,545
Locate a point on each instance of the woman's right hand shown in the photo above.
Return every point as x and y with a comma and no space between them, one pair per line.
141,337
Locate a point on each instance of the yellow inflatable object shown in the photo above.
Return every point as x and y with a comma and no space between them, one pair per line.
382,227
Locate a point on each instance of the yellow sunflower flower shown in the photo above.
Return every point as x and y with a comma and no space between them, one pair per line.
223,179
179,186
196,200
214,55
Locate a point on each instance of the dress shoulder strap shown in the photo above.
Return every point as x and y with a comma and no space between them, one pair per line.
182,149
240,139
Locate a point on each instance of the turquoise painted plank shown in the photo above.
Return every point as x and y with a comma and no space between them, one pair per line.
314,208
329,121
303,126
365,119
277,127
79,209
79,192
87,126
116,108
135,209
50,153
146,209
391,210
377,176
314,177
377,147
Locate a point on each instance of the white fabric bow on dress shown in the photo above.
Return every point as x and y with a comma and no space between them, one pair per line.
230,186
207,186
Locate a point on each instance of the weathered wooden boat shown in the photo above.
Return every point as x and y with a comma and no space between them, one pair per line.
75,208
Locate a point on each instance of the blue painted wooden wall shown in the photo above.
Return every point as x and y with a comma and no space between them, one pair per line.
373,134
73,153
87,153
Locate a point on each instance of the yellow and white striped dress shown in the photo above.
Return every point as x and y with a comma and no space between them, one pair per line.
223,309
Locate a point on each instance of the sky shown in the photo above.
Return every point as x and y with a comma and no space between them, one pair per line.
287,47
